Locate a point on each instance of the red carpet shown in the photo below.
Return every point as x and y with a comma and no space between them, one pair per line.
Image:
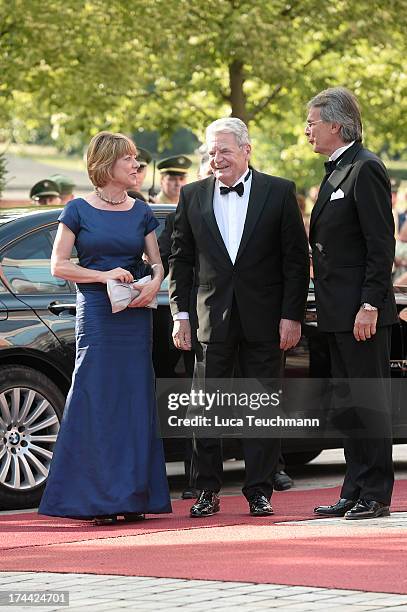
227,546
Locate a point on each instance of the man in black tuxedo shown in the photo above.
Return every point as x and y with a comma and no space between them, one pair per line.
239,236
352,239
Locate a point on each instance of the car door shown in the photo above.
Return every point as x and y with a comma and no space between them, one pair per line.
33,293
3,311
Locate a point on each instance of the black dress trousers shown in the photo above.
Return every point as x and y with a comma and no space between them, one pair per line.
369,466
255,360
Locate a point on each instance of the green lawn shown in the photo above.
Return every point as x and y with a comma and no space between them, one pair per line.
48,155
398,169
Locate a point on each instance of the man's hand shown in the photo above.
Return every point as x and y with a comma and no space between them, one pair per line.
365,324
181,334
290,333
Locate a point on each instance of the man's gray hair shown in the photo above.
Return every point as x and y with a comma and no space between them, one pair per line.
339,105
233,125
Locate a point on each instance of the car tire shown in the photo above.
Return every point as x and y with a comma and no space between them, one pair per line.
301,458
31,407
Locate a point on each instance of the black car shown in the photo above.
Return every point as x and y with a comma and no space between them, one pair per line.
37,350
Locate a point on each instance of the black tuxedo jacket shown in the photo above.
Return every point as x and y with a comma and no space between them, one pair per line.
269,279
352,239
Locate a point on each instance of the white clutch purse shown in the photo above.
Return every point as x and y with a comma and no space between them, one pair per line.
121,294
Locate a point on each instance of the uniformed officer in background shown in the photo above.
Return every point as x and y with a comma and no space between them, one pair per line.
144,157
46,193
173,172
66,187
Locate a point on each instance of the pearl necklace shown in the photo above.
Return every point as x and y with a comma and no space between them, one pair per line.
107,200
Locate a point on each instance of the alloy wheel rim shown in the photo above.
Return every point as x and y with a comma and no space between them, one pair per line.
28,431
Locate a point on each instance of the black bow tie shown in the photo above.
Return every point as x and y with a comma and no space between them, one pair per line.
239,188
330,166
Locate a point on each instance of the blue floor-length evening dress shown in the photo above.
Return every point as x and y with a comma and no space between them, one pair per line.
108,457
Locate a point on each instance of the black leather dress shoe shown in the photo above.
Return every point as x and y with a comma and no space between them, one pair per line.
259,505
282,481
207,504
338,509
365,509
105,520
134,517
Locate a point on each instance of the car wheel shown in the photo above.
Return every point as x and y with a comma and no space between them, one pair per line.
31,407
301,458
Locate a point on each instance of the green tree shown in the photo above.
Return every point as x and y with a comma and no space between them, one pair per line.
161,64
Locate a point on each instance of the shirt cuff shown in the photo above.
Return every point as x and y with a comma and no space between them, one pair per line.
181,316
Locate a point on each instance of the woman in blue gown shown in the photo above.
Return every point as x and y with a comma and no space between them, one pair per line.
109,460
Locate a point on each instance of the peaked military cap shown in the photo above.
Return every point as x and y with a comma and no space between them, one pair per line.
44,188
144,157
65,184
178,164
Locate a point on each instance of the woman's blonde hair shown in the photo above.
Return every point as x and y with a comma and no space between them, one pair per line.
104,150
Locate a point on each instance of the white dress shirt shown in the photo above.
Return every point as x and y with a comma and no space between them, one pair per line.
230,214
339,151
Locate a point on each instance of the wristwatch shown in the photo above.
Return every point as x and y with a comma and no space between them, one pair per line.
368,307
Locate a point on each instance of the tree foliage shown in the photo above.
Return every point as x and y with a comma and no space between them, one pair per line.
160,64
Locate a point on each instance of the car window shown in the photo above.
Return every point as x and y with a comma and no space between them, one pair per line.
161,219
74,255
160,227
26,265
4,285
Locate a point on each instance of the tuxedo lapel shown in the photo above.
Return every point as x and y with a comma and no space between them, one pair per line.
257,199
341,171
206,203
